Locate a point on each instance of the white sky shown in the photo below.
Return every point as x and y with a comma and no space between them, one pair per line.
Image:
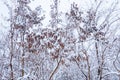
45,4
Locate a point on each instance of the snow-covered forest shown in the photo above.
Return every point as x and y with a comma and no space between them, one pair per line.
79,43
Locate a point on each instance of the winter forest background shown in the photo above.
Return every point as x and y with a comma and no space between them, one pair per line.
60,40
